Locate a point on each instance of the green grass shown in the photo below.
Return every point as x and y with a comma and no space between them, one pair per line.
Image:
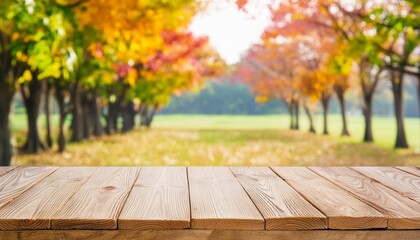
384,130
235,140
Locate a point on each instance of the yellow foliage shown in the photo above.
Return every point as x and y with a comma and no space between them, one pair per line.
132,77
26,76
21,57
261,99
15,36
133,27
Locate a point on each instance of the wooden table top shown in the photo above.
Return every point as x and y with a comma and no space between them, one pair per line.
209,198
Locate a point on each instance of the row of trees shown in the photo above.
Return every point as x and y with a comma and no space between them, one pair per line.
314,49
105,59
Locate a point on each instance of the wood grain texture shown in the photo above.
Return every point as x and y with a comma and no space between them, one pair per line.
219,202
342,209
281,206
412,170
4,170
402,212
405,183
209,235
99,200
34,208
16,182
158,200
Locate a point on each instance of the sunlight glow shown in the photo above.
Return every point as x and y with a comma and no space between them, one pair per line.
232,31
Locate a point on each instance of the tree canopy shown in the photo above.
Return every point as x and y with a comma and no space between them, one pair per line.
105,58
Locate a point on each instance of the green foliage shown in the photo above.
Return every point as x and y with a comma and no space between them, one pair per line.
38,33
66,40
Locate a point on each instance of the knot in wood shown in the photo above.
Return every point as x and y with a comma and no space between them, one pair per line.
109,188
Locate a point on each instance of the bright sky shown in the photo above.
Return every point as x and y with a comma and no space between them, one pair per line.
230,30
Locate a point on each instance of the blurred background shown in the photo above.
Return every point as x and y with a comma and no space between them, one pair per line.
196,82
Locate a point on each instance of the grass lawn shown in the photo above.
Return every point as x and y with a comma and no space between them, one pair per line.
236,140
384,128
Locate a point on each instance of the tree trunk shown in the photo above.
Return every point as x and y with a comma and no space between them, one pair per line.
6,96
129,116
77,114
143,114
325,100
87,114
6,149
126,118
97,111
340,95
368,83
293,107
63,113
310,118
397,89
48,115
367,113
31,93
151,116
112,118
297,115
290,108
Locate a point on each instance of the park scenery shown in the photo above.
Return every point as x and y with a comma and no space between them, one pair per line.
209,82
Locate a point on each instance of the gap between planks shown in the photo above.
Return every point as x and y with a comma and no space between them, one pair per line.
344,211
404,183
97,204
223,178
218,201
401,212
16,182
159,199
34,208
281,206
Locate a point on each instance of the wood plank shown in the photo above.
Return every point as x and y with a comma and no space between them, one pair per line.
34,208
281,206
98,202
402,212
210,235
406,184
19,180
342,209
412,170
4,170
158,200
219,202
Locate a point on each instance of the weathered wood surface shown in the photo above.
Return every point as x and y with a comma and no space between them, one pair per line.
412,170
208,202
34,208
99,200
4,170
402,212
158,200
342,209
16,182
210,235
281,206
405,183
219,202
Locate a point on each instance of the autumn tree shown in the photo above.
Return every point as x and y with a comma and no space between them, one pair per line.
397,36
359,26
95,58
34,37
7,84
270,71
